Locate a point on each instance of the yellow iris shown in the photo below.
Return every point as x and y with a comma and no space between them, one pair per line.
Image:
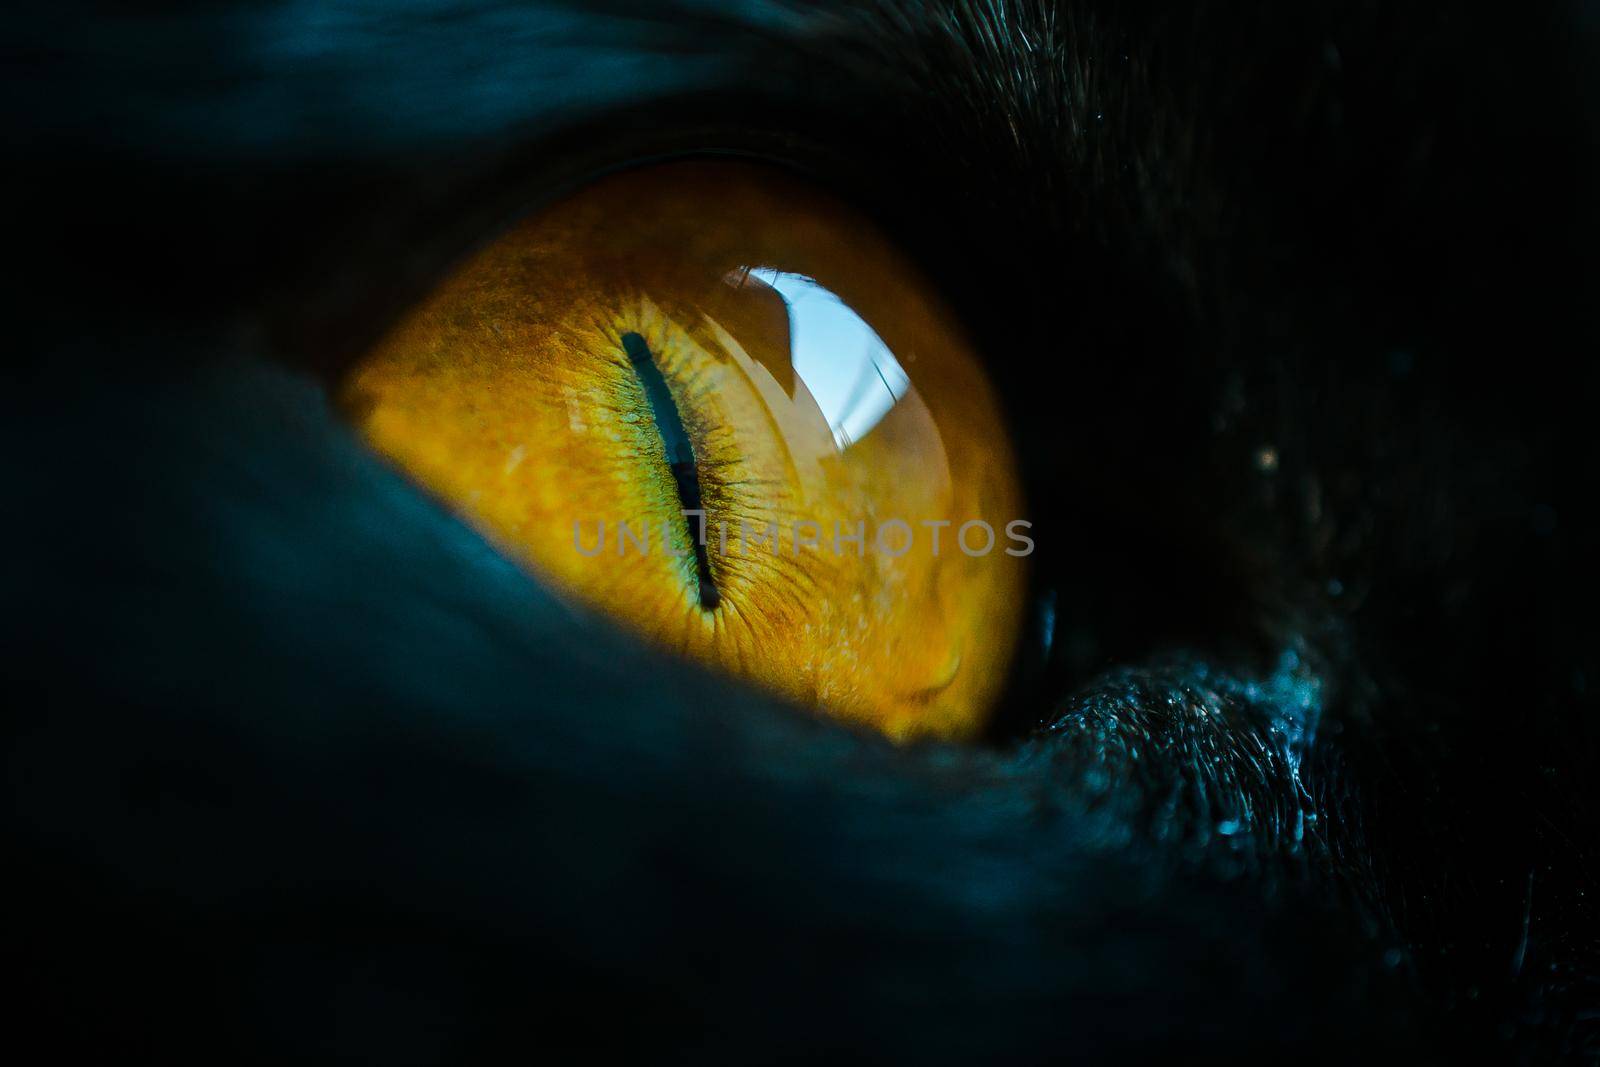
716,405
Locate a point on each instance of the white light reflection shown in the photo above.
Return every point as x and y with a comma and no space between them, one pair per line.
844,363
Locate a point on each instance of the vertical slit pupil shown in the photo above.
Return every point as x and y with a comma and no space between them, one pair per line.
680,456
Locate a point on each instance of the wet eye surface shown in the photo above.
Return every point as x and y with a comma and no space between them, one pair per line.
717,406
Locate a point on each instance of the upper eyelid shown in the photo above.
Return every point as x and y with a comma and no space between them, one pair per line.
349,154
358,282
408,236
433,144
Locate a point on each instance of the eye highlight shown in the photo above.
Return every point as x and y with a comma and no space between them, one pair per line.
717,406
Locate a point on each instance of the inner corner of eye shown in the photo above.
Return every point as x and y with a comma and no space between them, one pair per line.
734,419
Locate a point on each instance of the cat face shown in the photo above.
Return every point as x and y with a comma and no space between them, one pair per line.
1286,315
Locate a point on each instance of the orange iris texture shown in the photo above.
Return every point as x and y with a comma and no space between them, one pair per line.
717,406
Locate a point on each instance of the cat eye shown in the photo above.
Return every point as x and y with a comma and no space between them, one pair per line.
716,405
